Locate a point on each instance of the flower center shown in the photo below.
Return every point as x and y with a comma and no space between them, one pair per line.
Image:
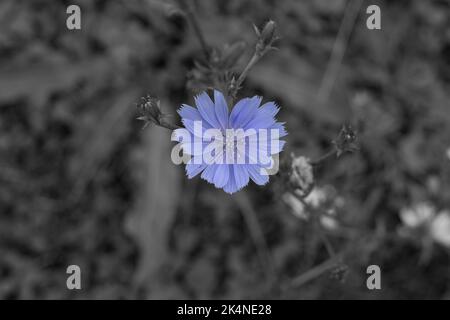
230,143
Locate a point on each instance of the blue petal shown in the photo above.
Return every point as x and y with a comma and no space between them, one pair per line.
193,169
230,187
281,130
181,135
270,147
189,112
207,110
209,172
256,175
221,109
189,124
260,121
190,148
277,147
244,111
269,108
221,176
241,176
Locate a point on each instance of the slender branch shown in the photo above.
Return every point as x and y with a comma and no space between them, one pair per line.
168,125
322,235
254,59
236,85
325,240
266,38
315,272
256,233
192,17
324,157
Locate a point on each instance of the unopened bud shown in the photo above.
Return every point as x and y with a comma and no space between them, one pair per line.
268,32
266,37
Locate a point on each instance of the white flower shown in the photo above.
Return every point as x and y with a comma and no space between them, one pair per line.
418,215
437,224
328,221
297,207
440,228
316,197
301,176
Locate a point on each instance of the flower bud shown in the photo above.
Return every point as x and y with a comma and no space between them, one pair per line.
268,33
150,110
266,37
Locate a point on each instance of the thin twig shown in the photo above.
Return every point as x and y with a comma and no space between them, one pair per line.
325,240
266,38
257,55
339,47
256,233
254,59
315,272
325,157
322,235
168,125
186,5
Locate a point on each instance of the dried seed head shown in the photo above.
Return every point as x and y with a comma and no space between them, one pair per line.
346,140
150,110
301,176
340,272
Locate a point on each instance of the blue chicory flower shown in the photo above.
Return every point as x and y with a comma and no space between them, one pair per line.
245,141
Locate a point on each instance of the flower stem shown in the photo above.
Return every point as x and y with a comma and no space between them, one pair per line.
250,216
322,235
168,125
255,58
325,157
234,88
315,272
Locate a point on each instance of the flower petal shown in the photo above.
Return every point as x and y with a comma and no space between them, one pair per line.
241,176
189,112
269,108
256,174
207,110
230,187
209,172
221,109
190,125
193,169
221,176
260,121
281,130
244,111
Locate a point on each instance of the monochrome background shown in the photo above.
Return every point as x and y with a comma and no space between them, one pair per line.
81,182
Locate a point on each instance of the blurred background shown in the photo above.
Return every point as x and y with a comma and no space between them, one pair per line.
81,182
